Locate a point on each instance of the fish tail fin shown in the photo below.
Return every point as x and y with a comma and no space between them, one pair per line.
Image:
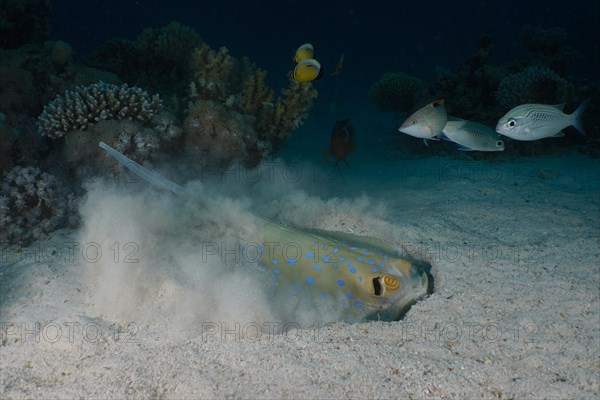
577,116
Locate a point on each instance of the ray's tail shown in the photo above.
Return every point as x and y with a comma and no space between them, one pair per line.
146,174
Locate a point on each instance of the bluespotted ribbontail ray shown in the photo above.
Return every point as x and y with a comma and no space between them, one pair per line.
356,277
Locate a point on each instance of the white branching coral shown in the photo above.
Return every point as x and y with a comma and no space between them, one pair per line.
81,108
32,204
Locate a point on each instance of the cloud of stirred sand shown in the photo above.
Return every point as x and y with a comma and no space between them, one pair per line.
171,259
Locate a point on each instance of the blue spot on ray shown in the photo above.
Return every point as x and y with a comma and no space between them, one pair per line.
371,262
275,262
375,270
317,267
309,280
358,304
342,259
273,279
349,296
366,254
335,266
341,282
359,259
349,263
353,248
335,250
326,259
381,265
360,278
261,250
309,255
291,261
353,270
276,271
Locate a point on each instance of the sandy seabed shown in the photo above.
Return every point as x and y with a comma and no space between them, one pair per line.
515,249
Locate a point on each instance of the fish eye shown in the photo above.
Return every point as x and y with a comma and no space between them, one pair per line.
414,121
499,143
511,123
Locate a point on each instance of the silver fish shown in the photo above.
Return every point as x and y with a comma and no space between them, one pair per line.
355,277
472,136
539,121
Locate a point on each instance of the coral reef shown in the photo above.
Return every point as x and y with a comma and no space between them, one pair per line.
469,91
20,143
242,88
397,91
547,47
163,59
217,75
276,121
32,75
61,53
126,118
32,204
158,60
23,21
87,105
17,91
534,85
215,135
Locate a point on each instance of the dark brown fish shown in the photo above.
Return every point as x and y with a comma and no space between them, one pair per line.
342,141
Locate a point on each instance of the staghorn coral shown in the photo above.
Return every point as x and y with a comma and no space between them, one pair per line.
276,121
87,105
217,75
32,204
242,87
534,85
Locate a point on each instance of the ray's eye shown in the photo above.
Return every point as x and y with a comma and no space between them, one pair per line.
391,282
511,123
